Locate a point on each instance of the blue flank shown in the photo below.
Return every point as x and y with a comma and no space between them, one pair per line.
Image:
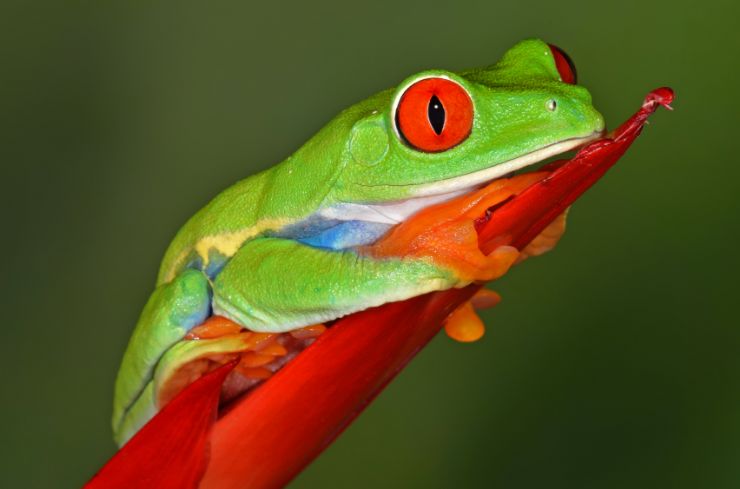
347,234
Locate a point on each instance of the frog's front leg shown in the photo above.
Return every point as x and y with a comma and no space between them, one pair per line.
275,284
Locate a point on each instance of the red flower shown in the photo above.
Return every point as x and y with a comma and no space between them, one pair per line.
267,437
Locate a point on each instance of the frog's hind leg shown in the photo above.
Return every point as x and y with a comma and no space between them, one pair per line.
171,312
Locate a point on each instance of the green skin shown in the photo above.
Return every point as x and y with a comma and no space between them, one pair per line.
240,256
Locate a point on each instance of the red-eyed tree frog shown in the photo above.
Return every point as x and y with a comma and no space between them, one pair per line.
293,246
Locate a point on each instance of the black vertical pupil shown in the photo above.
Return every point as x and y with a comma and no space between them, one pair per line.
436,113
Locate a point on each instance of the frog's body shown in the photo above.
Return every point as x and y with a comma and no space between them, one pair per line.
279,250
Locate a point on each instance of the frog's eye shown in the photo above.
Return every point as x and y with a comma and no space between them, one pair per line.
434,114
565,65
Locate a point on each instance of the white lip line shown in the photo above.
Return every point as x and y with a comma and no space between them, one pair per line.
497,171
392,213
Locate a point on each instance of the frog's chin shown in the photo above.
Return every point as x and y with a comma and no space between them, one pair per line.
472,180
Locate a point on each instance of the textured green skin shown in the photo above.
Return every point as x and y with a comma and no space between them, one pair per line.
271,283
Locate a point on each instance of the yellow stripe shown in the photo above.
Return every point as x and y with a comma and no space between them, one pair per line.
226,244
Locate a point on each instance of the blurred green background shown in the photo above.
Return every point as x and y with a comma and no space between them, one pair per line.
613,362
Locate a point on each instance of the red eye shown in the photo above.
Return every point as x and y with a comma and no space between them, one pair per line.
434,114
565,65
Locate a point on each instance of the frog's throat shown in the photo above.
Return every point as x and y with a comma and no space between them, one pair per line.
470,180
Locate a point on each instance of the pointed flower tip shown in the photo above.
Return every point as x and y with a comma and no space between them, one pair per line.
660,96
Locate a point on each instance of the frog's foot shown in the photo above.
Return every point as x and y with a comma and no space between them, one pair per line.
446,233
497,263
464,324
547,239
456,247
219,340
485,299
213,327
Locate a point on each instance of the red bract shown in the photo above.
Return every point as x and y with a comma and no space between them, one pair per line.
169,452
267,437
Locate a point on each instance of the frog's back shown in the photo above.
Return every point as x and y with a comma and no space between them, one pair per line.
230,216
268,201
260,204
216,232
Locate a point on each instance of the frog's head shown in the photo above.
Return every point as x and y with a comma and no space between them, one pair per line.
441,133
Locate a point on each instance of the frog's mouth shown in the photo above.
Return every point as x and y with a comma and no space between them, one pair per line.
392,213
469,181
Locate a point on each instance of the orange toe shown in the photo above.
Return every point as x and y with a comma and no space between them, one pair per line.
485,299
464,325
213,327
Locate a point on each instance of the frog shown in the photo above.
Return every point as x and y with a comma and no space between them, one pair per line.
288,248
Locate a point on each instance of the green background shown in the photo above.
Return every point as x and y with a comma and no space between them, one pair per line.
613,362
